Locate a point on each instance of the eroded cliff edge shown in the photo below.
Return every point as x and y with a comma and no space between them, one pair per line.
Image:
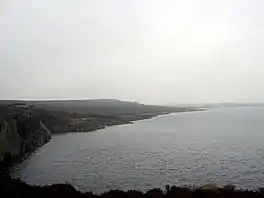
21,132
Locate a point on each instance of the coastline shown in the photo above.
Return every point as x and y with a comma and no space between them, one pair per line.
148,118
125,120
61,122
115,123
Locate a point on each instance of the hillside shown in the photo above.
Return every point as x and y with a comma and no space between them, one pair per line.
26,125
99,106
89,115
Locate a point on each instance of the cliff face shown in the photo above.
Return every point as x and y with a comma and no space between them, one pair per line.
10,141
20,133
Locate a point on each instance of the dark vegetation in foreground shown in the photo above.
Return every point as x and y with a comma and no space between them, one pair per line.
17,188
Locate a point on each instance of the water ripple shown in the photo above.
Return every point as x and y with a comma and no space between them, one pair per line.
179,149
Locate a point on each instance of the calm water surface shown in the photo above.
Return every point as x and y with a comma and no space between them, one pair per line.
217,146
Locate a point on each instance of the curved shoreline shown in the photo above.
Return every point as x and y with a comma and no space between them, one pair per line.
125,121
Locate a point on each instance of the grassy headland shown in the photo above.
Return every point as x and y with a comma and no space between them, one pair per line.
26,125
90,115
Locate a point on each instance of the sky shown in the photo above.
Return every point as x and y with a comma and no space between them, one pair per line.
150,51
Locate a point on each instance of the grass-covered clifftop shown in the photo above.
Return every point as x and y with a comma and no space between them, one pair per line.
26,125
89,115
98,107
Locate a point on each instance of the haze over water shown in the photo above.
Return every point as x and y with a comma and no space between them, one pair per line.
222,146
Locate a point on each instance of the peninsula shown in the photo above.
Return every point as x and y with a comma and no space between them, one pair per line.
26,125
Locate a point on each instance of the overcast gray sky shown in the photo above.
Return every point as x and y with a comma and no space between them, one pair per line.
151,51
